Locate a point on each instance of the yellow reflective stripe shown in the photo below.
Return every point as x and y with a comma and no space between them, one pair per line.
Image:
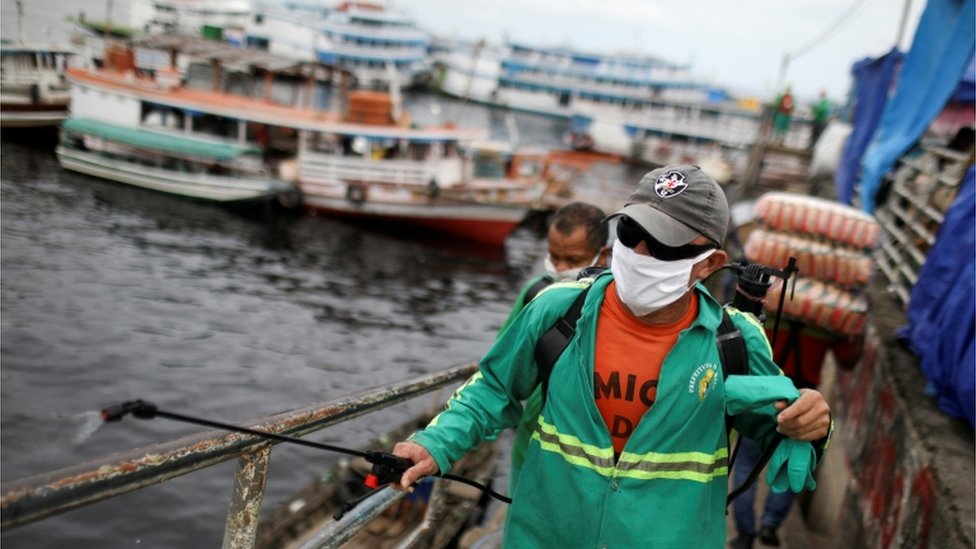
751,320
694,466
457,395
676,475
585,283
573,450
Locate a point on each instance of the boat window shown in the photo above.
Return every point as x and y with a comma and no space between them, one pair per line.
418,151
489,165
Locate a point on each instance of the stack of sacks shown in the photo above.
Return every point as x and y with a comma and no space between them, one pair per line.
832,244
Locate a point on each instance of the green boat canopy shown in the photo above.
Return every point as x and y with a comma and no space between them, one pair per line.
166,143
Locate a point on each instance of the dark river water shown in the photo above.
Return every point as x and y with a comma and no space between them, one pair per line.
110,293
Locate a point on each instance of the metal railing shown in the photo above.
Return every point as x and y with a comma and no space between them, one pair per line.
41,496
923,187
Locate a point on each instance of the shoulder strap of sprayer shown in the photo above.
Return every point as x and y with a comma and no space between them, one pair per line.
733,354
555,340
534,289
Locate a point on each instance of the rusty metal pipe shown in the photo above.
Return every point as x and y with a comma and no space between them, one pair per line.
33,498
336,533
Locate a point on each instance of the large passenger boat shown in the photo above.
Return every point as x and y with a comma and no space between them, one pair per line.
380,46
641,107
239,115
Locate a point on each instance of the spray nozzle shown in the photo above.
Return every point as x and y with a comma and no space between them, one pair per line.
138,408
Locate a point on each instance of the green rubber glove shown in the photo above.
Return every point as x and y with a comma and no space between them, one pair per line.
744,393
791,467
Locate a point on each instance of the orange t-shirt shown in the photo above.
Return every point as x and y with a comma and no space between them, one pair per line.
628,364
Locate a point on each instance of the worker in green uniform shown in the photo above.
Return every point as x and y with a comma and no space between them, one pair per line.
782,115
630,448
577,239
821,116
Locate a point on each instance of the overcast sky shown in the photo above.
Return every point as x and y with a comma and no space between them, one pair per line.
731,43
734,43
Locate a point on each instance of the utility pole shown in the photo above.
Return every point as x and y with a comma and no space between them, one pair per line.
783,65
21,35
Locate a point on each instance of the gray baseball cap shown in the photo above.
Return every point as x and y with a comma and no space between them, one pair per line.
675,204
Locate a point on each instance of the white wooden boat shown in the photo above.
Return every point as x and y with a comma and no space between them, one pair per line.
171,163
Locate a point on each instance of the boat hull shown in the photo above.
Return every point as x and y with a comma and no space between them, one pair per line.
31,115
481,223
222,189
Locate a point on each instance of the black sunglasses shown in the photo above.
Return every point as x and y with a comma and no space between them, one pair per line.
631,234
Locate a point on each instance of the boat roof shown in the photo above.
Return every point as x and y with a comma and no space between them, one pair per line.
260,111
158,141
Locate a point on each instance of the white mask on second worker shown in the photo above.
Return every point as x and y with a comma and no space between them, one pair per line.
566,274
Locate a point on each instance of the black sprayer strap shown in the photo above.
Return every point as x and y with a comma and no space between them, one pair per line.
754,474
556,339
733,354
535,288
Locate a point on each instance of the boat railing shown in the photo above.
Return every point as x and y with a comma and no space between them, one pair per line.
45,495
400,52
322,168
385,33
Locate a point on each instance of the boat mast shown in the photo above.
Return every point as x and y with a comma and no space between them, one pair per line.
21,35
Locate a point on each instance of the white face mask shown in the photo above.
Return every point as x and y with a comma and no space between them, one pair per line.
646,284
566,274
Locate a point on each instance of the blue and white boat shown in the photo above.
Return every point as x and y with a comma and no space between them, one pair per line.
377,45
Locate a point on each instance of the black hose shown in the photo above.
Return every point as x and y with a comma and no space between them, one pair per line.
387,466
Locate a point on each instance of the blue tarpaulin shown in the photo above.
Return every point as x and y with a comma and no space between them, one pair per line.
873,78
966,91
941,50
941,328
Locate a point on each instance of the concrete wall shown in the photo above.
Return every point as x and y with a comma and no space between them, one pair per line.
899,472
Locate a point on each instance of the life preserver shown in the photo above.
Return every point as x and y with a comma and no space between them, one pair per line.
290,199
356,193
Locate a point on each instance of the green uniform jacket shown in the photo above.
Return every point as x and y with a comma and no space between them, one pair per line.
532,405
668,487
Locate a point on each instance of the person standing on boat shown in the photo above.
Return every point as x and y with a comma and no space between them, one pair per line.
782,116
821,115
631,448
577,239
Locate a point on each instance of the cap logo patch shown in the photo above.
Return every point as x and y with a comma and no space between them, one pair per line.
670,184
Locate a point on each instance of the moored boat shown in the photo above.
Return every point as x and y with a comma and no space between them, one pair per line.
170,162
378,45
33,89
637,106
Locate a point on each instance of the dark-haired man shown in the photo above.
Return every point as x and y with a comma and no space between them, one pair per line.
577,239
